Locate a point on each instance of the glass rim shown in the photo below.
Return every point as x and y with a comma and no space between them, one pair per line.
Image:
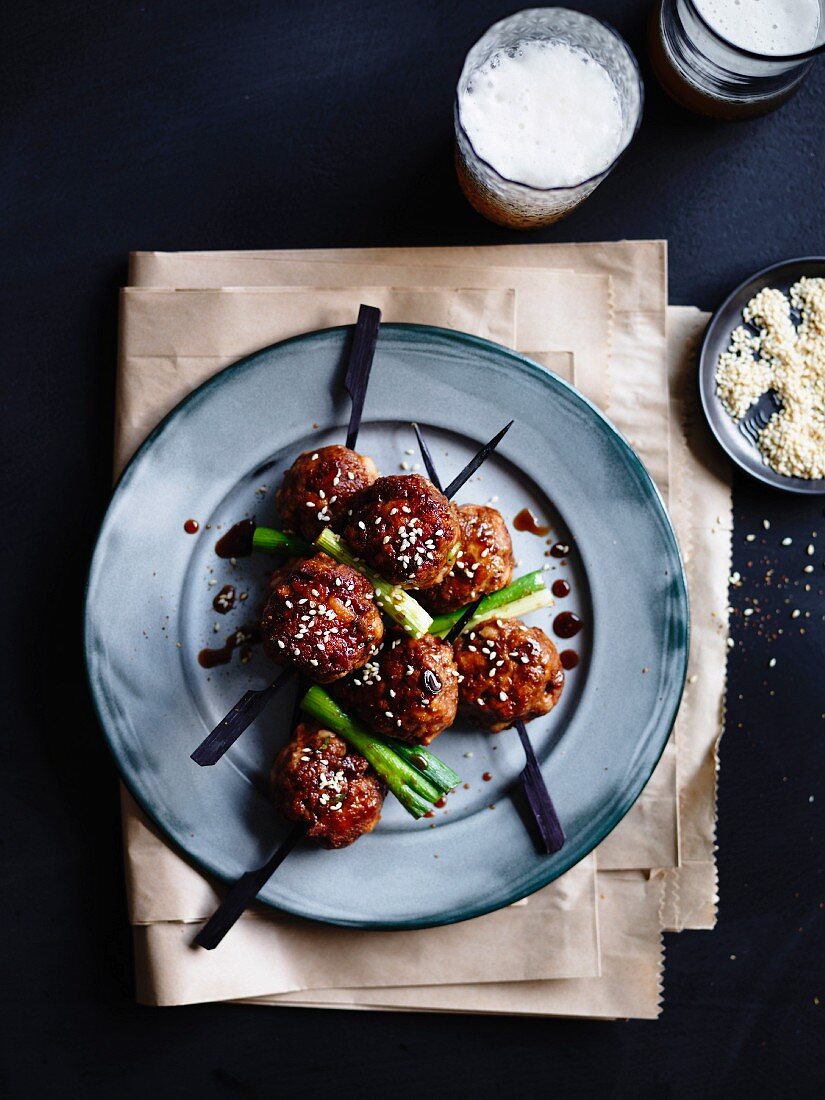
608,167
806,55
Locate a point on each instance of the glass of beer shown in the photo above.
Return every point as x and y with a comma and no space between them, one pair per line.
734,58
548,101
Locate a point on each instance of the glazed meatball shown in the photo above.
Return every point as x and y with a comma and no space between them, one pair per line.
484,562
318,487
507,671
317,778
405,529
321,617
409,690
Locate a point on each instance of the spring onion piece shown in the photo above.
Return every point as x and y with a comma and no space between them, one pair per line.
395,602
440,774
271,541
498,604
513,610
415,788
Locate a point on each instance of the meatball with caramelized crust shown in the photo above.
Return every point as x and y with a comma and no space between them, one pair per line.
405,529
321,618
409,690
318,779
508,671
318,487
484,563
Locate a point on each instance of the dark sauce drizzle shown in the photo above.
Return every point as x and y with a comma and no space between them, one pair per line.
567,624
237,542
243,638
569,659
526,521
561,588
191,527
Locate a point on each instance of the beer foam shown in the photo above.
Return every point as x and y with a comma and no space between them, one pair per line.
545,114
768,27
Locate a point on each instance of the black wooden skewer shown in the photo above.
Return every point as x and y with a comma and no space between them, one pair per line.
538,797
475,462
250,884
230,728
244,892
532,781
252,703
359,366
478,458
428,458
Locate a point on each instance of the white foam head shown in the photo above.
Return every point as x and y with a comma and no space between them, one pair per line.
767,27
545,114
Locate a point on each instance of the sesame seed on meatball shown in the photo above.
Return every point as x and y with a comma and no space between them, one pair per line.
507,671
321,618
318,779
319,486
409,690
484,563
405,529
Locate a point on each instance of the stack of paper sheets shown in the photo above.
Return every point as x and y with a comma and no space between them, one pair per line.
589,944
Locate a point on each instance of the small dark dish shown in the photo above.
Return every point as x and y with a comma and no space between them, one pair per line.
717,337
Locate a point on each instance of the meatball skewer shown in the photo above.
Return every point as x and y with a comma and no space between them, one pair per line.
240,540
551,680
331,778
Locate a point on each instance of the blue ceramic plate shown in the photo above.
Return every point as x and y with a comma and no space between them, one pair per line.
219,456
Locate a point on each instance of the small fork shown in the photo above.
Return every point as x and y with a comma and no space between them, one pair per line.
756,418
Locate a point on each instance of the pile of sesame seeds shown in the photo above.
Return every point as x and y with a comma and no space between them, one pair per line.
789,358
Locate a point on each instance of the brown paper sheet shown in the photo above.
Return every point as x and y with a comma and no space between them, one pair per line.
556,936
701,481
171,341
572,311
630,984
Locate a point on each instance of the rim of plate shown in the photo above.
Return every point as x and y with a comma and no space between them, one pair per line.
630,795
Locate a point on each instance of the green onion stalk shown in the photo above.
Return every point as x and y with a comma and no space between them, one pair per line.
270,541
396,603
528,593
416,777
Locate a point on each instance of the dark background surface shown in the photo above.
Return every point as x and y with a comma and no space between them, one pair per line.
167,125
